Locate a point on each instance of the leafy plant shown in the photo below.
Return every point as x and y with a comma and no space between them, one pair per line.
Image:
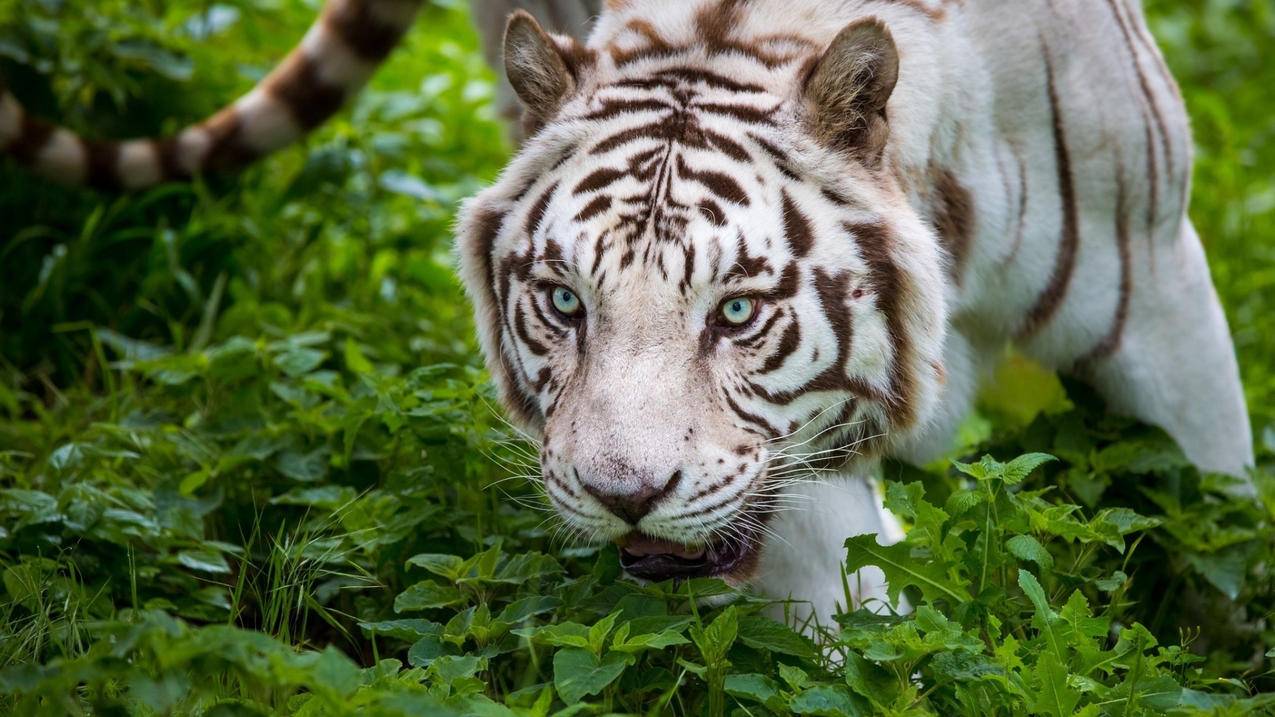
250,464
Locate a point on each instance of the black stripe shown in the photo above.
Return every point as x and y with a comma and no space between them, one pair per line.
1111,342
711,79
723,185
537,213
354,22
520,326
1064,265
796,228
887,281
600,204
788,343
309,99
599,179
752,418
103,158
32,137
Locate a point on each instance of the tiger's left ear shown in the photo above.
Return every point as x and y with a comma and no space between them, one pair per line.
847,90
542,71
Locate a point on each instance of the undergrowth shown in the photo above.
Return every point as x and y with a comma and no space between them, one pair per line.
250,463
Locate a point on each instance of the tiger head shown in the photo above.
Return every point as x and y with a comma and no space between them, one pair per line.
694,284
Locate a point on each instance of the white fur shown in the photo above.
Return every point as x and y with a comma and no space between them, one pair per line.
335,63
803,565
63,155
266,121
193,145
972,100
138,164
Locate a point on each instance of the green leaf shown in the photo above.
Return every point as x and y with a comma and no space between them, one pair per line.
304,467
456,667
1053,696
1045,616
579,673
1025,547
908,502
1224,569
336,673
766,634
407,630
1126,521
1012,473
1155,453
962,501
522,568
563,634
522,610
646,641
714,641
209,561
825,701
299,361
428,648
328,497
869,679
1018,469
599,631
757,688
426,595
795,677
901,569
445,566
355,360
32,506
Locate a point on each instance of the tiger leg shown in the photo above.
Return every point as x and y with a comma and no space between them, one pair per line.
802,561
567,17
1174,364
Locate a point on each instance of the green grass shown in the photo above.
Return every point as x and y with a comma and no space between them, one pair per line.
250,464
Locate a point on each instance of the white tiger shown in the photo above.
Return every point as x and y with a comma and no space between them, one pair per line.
748,242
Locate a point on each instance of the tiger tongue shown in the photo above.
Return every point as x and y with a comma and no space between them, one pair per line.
640,546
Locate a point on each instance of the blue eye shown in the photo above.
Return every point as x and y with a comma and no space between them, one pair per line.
738,310
565,301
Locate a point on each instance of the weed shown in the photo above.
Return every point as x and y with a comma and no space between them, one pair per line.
250,464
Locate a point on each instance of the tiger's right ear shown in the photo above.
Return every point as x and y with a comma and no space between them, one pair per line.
542,74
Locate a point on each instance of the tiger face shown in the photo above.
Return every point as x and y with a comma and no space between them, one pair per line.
696,289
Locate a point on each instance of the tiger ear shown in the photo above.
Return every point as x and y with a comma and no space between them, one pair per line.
536,68
847,90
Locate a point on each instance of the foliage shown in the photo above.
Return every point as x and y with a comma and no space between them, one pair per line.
250,464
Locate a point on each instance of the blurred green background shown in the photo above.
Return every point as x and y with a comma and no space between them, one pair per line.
246,402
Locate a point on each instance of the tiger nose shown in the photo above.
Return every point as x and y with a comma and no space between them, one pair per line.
634,505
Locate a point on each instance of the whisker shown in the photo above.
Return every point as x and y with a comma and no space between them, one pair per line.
814,418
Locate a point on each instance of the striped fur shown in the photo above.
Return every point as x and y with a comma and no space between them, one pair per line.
336,57
1025,185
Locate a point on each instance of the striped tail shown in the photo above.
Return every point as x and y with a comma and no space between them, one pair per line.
339,53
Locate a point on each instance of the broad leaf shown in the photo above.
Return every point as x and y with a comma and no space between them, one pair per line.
902,570
1025,547
426,595
579,673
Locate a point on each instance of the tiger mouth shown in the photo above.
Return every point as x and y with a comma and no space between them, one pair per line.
650,558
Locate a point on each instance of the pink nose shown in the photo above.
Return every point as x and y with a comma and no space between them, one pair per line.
633,505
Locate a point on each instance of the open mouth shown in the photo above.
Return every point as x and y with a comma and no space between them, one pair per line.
650,558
